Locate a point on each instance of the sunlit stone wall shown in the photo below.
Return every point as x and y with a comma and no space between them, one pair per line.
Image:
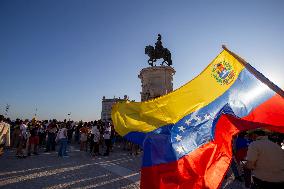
156,81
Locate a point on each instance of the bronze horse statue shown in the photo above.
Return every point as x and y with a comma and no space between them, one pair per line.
154,55
158,52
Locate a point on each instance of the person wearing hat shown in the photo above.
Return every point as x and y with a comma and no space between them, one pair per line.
266,160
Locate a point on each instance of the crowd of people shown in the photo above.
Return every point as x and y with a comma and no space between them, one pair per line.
27,136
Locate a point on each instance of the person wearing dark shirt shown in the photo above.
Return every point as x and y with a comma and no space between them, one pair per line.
33,140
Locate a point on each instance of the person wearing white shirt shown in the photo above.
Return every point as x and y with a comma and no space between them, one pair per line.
62,138
23,136
94,126
23,128
107,134
266,160
96,139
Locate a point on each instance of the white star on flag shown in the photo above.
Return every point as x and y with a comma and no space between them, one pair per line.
179,149
178,138
181,128
188,122
197,118
207,116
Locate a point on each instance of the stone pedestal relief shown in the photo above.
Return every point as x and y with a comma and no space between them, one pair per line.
156,81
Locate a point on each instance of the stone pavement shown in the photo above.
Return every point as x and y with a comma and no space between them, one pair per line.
80,170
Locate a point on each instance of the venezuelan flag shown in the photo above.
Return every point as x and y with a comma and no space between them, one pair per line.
186,135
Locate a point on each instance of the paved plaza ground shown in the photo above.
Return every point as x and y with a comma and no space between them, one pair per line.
80,170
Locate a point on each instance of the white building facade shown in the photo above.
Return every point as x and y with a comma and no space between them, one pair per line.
107,105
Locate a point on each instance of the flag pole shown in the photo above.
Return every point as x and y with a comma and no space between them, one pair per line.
256,73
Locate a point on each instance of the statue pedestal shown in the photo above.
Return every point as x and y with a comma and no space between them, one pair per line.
156,81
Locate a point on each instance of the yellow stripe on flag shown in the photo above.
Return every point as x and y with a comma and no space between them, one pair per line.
199,92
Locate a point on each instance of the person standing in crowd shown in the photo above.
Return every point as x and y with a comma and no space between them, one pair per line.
93,130
51,134
83,137
77,132
107,138
112,136
41,134
28,145
89,139
22,139
69,131
266,160
4,134
63,141
16,134
241,147
17,138
33,139
102,130
96,140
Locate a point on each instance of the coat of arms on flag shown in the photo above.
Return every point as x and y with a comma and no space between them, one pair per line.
223,72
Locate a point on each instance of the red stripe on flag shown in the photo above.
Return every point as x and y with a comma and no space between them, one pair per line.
206,166
270,112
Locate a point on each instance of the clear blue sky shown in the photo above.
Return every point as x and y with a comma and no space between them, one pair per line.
63,56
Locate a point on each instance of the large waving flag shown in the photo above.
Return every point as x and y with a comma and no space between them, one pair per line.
186,135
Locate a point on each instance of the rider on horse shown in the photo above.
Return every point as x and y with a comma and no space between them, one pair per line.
158,45
158,52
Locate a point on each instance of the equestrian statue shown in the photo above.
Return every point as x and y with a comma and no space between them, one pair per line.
158,52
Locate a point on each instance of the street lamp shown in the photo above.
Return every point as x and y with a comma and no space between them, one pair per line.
69,116
7,109
35,112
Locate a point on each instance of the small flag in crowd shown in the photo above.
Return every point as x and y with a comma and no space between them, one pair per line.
186,135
